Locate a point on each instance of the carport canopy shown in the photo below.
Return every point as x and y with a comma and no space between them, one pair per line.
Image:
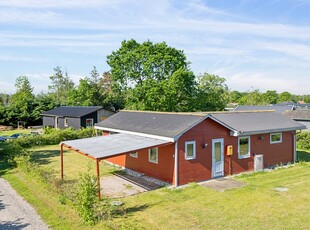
102,147
108,146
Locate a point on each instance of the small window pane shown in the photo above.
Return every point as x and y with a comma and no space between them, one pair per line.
134,154
275,137
89,122
190,150
153,155
217,152
244,146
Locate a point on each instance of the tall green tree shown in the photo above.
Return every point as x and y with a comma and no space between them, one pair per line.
141,71
270,97
21,102
212,93
285,97
61,86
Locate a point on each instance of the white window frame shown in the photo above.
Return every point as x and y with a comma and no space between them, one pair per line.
134,154
153,161
66,124
249,147
275,142
92,122
194,150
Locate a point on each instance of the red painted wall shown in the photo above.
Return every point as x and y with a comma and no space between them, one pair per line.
200,169
162,171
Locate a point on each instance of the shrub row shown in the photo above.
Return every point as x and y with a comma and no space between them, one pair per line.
303,140
54,136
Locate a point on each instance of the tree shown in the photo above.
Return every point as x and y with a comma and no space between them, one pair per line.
21,102
285,97
212,93
42,102
61,85
139,71
83,95
135,62
270,97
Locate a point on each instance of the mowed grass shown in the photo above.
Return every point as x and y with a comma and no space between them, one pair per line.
74,163
255,206
10,132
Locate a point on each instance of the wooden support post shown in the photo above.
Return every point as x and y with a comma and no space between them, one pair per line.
61,161
98,178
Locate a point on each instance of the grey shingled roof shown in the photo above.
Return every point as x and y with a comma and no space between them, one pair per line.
302,115
172,125
256,122
276,108
72,111
159,124
107,146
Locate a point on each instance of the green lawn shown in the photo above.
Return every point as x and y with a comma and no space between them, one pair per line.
9,133
255,206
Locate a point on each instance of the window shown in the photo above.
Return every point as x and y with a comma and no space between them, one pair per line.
190,150
275,138
134,154
153,155
244,147
89,122
66,122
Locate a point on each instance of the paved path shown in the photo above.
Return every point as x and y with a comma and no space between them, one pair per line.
15,212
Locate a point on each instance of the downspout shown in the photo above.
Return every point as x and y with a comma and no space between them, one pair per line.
176,164
294,140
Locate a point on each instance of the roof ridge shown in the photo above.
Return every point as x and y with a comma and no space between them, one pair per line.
201,113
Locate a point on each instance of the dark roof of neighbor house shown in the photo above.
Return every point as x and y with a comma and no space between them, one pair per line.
277,108
153,123
173,125
302,115
71,111
256,122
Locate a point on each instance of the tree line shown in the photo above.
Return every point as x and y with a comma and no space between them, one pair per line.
142,76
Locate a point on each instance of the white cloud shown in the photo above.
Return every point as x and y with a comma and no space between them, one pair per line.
56,3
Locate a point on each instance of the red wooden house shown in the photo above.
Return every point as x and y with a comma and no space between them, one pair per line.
183,147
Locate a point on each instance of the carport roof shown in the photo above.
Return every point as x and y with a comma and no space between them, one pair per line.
108,146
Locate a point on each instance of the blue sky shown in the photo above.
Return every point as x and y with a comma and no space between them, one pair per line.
254,44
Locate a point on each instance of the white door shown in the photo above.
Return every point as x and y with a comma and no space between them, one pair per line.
218,157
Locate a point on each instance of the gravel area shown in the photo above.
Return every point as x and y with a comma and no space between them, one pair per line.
15,212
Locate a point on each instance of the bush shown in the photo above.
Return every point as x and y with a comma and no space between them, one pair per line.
86,198
303,140
10,150
54,136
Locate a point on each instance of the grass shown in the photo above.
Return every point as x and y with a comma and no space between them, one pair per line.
9,133
255,206
74,163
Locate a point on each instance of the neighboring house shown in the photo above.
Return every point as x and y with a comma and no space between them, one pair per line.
302,116
280,108
183,147
74,116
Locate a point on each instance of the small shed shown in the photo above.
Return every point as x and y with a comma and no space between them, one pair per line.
74,116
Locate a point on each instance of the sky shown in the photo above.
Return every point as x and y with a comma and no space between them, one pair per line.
253,44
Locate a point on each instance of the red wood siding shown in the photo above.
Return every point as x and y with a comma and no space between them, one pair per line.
201,168
162,171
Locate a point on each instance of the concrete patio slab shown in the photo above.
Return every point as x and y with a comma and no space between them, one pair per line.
128,184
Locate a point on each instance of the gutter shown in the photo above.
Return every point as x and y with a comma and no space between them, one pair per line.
245,133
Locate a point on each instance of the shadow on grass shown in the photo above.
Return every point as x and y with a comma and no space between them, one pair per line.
4,166
303,156
13,225
43,157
